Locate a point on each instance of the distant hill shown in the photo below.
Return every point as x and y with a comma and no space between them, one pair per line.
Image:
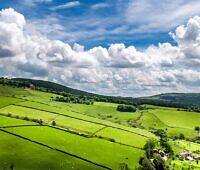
168,99
51,86
60,89
184,98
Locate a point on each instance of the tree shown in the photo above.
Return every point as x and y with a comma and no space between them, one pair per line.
124,108
146,164
163,136
53,123
181,136
11,166
148,147
197,128
168,148
159,163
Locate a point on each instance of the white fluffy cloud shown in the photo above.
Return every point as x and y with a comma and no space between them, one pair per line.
118,70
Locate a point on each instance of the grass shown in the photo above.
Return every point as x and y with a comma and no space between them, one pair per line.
184,165
7,121
123,137
130,136
5,101
175,122
111,139
49,117
106,112
175,118
39,96
83,147
11,91
67,111
27,155
182,145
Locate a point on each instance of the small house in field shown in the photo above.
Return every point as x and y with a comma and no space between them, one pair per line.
196,158
185,154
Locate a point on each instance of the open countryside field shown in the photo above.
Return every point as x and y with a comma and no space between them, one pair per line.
81,131
174,121
88,148
5,101
25,155
81,146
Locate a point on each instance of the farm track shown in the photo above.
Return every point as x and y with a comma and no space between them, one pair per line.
56,149
136,122
81,119
98,131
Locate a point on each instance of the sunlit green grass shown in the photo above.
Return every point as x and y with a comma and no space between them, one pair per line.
175,118
101,117
25,155
184,165
124,137
10,91
5,101
49,117
66,111
173,121
97,150
106,112
7,121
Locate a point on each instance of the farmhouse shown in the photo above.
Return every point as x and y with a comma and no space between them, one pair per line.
188,156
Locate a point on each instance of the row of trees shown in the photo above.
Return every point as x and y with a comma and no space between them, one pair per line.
126,108
190,109
39,121
74,99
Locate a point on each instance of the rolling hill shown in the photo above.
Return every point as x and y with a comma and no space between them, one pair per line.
168,99
38,132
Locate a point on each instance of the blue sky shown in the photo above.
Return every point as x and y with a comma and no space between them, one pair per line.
89,22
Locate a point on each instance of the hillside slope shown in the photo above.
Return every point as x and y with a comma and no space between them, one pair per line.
183,98
30,122
168,99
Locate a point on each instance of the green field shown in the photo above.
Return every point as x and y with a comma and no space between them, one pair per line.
5,101
85,136
81,146
27,155
175,122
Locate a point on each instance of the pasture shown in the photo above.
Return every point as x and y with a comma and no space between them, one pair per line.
81,146
175,122
85,136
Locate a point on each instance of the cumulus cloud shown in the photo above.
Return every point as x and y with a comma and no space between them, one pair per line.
116,70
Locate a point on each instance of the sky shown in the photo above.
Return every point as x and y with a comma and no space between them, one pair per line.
112,47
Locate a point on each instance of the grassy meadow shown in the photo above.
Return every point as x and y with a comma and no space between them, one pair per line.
84,136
